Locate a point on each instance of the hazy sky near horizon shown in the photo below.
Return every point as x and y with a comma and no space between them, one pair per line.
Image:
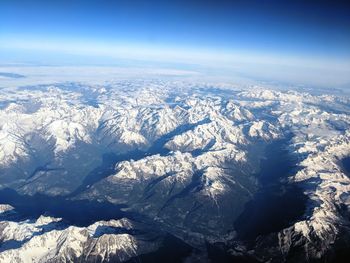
314,34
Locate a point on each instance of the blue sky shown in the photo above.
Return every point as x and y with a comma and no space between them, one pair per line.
292,33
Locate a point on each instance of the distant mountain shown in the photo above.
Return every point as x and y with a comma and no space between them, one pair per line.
11,75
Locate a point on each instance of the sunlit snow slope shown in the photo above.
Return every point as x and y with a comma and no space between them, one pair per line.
167,158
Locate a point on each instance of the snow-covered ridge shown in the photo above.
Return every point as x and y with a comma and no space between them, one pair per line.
195,148
48,240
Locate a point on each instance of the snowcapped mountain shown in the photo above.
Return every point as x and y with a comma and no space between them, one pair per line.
48,240
134,162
